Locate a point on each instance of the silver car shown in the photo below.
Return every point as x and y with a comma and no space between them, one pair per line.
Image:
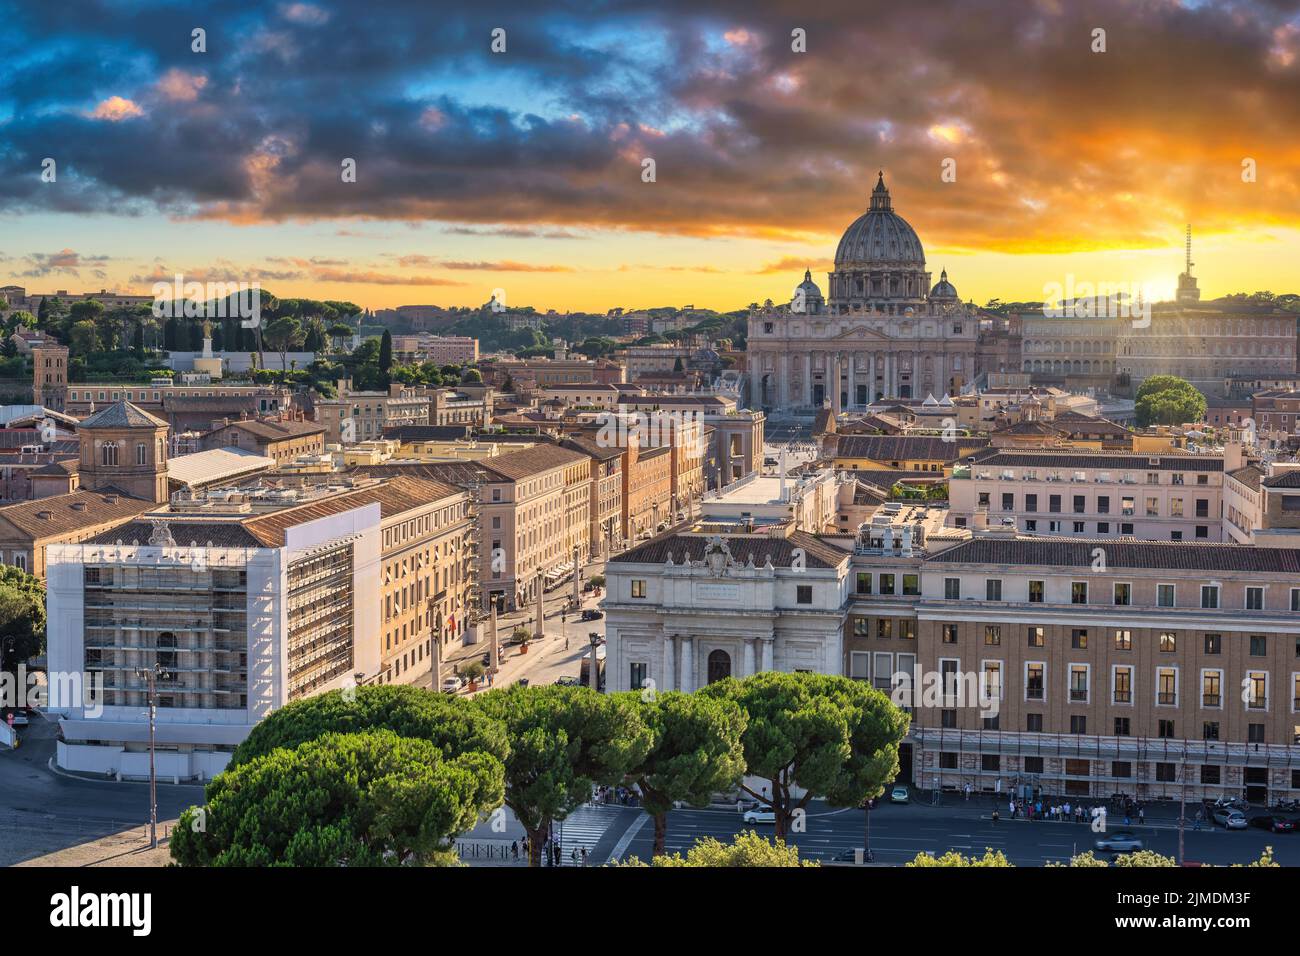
1122,841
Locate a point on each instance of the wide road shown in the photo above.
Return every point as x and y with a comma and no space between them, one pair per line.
900,832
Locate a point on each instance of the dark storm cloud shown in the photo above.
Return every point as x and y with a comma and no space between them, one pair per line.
1051,141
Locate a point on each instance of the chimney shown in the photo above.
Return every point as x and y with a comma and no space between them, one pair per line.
1232,456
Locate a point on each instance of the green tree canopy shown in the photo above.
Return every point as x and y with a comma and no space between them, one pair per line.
696,752
563,741
1168,400
748,849
22,616
368,799
284,334
829,736
991,857
450,724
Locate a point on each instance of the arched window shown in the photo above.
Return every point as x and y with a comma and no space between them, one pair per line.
108,453
719,666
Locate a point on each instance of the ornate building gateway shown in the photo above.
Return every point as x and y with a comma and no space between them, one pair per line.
880,335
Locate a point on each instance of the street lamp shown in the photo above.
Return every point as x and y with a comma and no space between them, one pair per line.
151,676
593,678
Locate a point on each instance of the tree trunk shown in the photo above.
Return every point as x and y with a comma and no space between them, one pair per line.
661,831
535,840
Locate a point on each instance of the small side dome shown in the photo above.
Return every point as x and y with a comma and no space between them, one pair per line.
943,289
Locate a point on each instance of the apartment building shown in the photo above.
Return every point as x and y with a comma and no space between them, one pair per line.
182,407
931,453
355,416
1134,667
606,509
281,439
248,601
1165,497
440,349
427,572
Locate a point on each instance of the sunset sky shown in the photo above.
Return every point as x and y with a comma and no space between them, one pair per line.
522,170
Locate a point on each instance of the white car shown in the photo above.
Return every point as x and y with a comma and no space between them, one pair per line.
450,685
760,815
1230,819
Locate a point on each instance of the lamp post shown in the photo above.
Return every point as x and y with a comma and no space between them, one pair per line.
1182,804
151,676
593,676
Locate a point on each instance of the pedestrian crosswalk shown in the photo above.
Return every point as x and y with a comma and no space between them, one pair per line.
583,829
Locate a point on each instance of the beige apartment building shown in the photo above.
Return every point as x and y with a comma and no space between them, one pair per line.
1163,497
1152,666
426,574
534,510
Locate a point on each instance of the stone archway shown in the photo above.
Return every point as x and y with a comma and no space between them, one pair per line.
719,666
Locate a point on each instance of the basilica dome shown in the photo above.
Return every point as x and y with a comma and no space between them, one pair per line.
880,235
943,289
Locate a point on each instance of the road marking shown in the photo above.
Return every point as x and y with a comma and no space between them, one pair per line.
628,836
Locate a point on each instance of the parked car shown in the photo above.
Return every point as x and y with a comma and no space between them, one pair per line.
450,685
1230,819
900,794
1121,841
591,614
567,681
760,815
19,717
486,658
1273,822
770,462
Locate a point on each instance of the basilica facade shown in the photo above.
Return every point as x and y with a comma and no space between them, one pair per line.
884,332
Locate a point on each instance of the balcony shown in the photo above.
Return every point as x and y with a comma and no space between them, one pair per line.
1210,700
1034,693
1166,698
1078,696
1257,703
1122,697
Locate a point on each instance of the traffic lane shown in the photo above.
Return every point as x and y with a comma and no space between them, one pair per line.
899,833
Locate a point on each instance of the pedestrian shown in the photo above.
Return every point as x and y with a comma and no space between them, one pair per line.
1142,814
514,849
995,814
967,789
1011,809
584,856
573,855
1127,820
1067,808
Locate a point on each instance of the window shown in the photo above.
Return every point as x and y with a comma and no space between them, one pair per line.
862,627
864,583
1168,641
1034,680
993,680
1166,773
1165,729
637,673
1213,644
1103,504
1031,503
1123,595
1295,599
884,628
911,584
886,584
1167,687
993,589
950,633
948,718
1255,733
952,589
141,454
1164,595
992,635
1258,645
1035,592
1008,501
1211,690
1079,592
1054,504
803,594
1254,599
1079,683
1122,769
1078,724
1034,725
1153,507
1079,638
108,453
1121,726
1256,690
991,763
860,665
1123,640
1103,527
947,761
1036,637
1209,596
638,588
1122,689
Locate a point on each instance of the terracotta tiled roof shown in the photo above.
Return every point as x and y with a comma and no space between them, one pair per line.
532,461
272,429
123,415
817,553
907,447
62,514
1083,458
1249,476
1075,553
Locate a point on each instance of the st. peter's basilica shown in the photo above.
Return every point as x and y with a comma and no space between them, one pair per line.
885,332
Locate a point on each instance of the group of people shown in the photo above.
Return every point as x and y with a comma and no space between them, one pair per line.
621,796
550,852
1066,812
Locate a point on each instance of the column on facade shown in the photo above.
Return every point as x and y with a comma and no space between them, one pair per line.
806,398
783,388
749,661
833,373
852,387
686,663
669,679
766,643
